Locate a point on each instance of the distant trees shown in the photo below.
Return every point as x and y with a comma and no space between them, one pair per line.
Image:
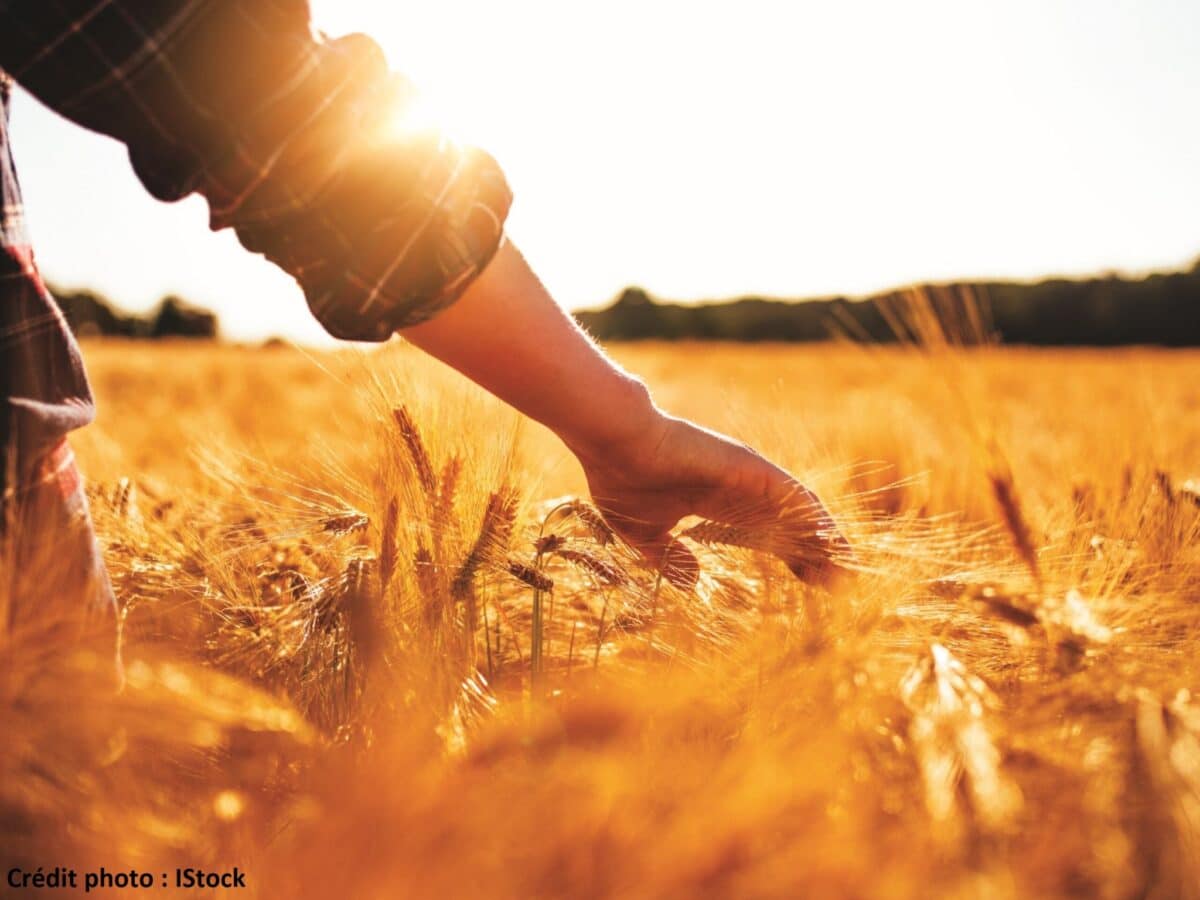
89,313
1161,309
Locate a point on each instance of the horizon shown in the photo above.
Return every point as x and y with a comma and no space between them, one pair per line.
1183,268
660,300
787,153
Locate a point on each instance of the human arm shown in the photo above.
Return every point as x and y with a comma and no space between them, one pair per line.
646,469
290,139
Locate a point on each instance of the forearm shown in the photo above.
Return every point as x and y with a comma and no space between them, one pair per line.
507,334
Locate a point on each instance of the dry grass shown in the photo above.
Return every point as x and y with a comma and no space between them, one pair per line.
376,649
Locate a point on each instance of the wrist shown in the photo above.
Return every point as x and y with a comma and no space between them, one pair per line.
607,428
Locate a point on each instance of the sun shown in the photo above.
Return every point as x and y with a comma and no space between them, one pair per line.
446,77
428,108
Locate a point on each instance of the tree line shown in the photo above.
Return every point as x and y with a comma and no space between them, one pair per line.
90,314
1161,309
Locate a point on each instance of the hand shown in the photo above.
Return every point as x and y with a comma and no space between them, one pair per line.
674,468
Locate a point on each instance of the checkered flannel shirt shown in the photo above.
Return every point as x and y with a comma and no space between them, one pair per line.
289,136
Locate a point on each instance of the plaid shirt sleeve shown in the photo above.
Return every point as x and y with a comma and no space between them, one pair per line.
290,137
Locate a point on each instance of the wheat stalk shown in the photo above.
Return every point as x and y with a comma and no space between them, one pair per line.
548,543
720,533
529,575
954,747
443,511
343,523
603,570
417,454
1005,493
359,600
425,571
808,549
387,544
541,583
1069,623
1165,487
493,538
586,513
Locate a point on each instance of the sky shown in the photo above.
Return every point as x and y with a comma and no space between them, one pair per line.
704,150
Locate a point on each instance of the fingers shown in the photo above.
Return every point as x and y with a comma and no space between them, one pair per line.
769,510
790,523
812,545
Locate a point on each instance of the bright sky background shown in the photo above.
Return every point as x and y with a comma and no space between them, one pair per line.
703,150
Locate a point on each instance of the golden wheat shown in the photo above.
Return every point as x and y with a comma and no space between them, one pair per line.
1000,704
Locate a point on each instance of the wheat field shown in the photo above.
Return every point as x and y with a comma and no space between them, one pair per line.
378,645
